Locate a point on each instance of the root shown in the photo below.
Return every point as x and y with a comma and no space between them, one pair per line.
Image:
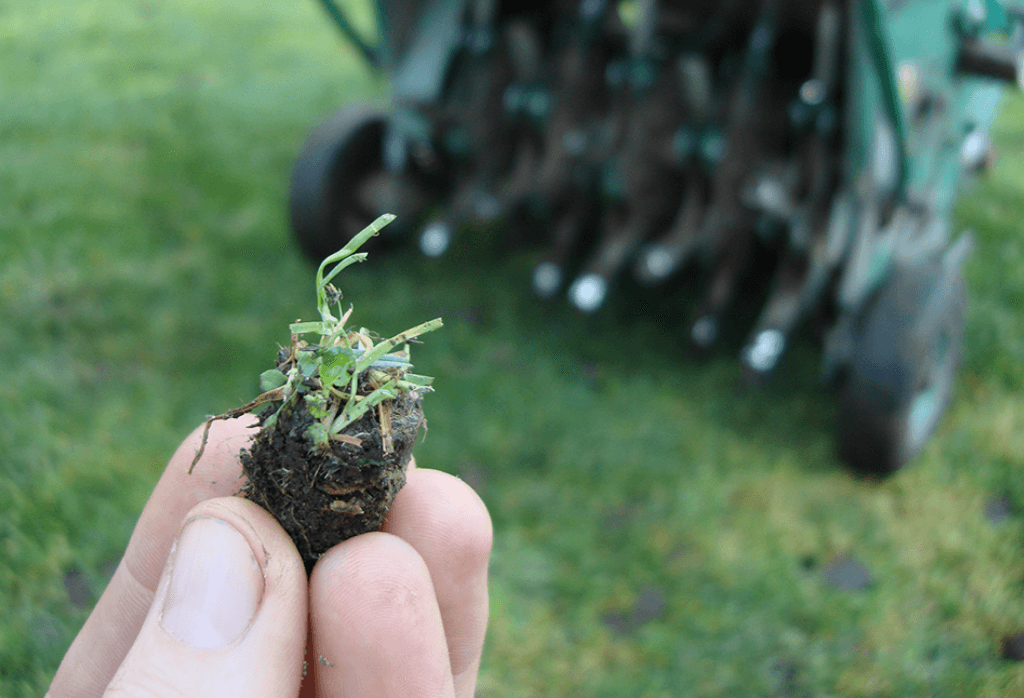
269,396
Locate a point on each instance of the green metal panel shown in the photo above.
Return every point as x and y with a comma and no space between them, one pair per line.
420,72
925,47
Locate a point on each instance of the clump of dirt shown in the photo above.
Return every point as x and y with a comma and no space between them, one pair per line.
324,496
340,417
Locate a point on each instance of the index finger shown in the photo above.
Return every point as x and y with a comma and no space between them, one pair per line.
111,628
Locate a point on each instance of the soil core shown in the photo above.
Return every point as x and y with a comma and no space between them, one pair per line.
322,496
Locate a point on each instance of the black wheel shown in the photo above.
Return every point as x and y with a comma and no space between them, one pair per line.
900,379
339,183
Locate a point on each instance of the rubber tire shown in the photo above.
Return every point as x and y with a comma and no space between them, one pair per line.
893,369
342,151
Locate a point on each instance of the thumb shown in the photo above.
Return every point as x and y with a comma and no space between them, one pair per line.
229,615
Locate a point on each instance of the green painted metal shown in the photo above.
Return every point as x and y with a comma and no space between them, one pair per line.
420,72
923,43
368,52
879,42
849,165
901,80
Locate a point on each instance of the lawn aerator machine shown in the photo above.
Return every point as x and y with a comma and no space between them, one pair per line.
660,137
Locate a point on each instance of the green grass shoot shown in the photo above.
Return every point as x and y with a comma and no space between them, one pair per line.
337,363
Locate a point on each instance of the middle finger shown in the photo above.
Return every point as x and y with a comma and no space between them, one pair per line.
448,525
376,628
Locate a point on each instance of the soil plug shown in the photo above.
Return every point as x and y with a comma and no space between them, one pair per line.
339,418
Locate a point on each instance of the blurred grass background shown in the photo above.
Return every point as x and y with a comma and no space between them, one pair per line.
656,533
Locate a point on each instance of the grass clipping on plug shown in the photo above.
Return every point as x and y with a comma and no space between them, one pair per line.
339,419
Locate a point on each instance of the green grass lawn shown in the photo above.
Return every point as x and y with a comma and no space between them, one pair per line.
656,534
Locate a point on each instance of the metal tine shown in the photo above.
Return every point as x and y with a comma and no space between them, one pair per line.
696,85
525,50
824,223
514,190
828,249
472,202
645,166
747,134
705,330
828,46
578,103
526,53
718,223
559,186
489,139
549,272
871,239
724,226
541,175
642,36
770,335
482,13
437,234
647,203
622,233
661,259
817,159
725,230
803,271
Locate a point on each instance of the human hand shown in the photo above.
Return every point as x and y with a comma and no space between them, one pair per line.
220,605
